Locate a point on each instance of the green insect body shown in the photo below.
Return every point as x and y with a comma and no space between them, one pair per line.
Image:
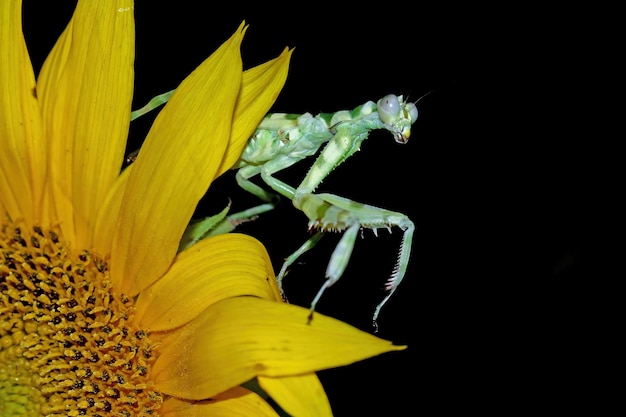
282,140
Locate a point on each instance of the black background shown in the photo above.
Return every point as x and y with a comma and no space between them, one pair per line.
497,177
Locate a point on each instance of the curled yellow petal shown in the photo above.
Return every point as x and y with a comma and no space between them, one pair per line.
300,395
214,269
239,338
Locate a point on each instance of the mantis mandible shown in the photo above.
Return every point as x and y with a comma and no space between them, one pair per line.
282,140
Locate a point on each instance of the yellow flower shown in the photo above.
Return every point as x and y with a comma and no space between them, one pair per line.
99,315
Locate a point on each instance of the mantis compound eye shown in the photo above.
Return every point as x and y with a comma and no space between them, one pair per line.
411,109
388,108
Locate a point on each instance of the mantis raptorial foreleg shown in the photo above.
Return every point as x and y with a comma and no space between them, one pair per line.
282,140
334,213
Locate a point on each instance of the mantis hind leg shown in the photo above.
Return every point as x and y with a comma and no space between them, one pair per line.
222,223
306,246
271,200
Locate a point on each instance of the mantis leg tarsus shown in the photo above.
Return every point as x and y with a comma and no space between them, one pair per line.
326,284
379,307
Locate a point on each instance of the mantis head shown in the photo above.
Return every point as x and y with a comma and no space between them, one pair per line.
397,116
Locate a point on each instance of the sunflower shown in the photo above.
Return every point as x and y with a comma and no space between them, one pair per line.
99,313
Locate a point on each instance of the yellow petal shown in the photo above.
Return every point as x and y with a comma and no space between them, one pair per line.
22,151
85,88
174,168
236,402
259,89
239,338
300,395
212,270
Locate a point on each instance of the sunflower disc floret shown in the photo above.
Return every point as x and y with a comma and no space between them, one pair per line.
67,344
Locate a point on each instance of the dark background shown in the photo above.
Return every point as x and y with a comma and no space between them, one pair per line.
497,177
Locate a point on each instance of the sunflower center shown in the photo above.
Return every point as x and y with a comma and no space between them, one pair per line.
68,344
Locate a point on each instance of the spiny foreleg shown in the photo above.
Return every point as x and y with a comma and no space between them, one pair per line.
329,212
347,140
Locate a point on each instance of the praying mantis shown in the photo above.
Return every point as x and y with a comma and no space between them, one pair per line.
282,140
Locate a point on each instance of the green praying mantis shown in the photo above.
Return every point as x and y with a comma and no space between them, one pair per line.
282,140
